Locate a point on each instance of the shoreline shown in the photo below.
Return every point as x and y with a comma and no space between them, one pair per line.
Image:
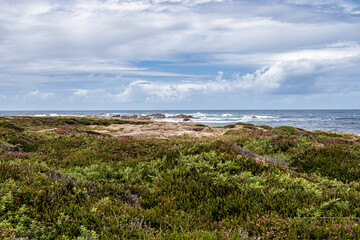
327,120
167,129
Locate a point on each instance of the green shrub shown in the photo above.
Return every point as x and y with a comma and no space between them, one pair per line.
10,125
72,184
333,161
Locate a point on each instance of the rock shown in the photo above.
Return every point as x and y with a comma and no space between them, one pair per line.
157,115
126,116
185,117
144,118
182,116
129,117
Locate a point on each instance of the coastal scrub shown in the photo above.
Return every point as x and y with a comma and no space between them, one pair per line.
60,179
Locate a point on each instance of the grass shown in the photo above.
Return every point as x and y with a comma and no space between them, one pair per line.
71,183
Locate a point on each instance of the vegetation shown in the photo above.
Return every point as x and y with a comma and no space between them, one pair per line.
69,182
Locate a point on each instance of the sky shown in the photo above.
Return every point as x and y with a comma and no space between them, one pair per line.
179,54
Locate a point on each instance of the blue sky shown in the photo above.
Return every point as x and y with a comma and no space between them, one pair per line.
179,54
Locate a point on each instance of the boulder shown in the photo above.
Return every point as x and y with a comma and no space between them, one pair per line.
182,116
157,115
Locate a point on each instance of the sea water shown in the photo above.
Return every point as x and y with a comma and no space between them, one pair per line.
333,120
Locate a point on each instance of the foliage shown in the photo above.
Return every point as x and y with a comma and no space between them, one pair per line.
73,184
334,161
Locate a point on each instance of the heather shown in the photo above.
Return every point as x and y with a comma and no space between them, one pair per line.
61,179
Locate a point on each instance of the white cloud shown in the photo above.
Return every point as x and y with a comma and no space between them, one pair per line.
53,35
288,72
338,53
263,80
37,94
81,92
284,45
87,92
332,6
128,94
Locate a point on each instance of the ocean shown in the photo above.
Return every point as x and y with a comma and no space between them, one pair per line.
333,120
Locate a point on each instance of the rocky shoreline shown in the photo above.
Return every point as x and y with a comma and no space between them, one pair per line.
153,116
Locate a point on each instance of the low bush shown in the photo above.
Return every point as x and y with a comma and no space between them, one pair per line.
72,184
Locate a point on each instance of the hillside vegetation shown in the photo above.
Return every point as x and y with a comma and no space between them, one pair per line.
59,179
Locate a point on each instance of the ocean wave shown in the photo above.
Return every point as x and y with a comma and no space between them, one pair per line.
48,115
215,121
170,114
169,120
115,113
199,114
59,115
266,117
258,117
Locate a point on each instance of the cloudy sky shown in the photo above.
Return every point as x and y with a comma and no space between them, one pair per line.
179,54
